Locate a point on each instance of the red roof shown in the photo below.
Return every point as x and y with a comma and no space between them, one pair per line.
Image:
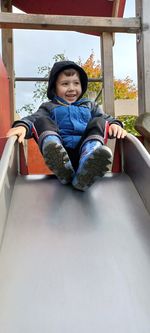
103,8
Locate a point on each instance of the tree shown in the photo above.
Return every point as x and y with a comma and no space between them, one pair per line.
123,89
93,70
41,87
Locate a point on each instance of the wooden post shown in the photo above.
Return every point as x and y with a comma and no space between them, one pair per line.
107,70
8,56
115,8
143,55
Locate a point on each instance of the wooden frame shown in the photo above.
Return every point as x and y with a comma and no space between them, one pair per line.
8,56
61,22
99,25
143,55
143,59
107,72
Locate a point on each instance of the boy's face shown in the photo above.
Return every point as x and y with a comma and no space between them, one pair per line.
68,87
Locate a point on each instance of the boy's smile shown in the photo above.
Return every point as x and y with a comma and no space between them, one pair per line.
68,87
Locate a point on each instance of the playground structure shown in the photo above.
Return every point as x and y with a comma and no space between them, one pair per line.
71,261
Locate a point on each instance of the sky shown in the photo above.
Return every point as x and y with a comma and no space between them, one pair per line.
33,48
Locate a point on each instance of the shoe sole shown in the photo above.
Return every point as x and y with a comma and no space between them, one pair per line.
56,157
95,167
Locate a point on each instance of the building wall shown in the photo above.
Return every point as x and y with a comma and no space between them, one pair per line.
126,107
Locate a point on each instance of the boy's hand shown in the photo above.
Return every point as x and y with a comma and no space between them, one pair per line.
117,131
20,131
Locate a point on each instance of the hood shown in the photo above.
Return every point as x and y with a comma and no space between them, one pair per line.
59,67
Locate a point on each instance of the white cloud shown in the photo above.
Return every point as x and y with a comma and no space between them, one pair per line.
33,48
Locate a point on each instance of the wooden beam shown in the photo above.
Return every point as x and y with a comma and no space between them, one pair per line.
143,60
118,8
8,56
72,23
107,72
6,5
115,10
143,55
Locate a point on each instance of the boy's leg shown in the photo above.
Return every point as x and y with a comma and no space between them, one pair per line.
94,155
55,155
95,130
44,126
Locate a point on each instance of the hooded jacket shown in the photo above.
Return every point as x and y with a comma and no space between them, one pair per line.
71,119
59,67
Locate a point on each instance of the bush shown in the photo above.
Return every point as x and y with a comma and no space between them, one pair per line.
128,123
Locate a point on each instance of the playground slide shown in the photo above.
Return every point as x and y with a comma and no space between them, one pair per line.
74,262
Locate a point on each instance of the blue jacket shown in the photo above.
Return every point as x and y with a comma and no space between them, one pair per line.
71,119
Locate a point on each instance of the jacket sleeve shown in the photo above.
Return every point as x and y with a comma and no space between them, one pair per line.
96,111
28,122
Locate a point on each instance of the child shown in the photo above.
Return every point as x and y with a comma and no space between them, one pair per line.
70,129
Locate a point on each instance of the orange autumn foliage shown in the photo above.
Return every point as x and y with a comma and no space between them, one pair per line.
123,89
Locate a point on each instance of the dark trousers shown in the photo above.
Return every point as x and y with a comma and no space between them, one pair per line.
95,130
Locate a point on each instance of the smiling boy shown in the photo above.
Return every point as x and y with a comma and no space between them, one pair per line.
70,129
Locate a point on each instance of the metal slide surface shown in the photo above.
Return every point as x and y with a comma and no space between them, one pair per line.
74,262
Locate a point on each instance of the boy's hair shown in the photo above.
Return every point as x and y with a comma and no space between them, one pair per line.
70,72
69,67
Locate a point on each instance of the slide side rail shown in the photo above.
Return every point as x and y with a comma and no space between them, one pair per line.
8,173
136,163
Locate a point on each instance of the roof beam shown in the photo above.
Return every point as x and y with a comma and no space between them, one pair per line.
69,23
118,8
115,10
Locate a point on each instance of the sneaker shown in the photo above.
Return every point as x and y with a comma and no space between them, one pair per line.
93,164
57,159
